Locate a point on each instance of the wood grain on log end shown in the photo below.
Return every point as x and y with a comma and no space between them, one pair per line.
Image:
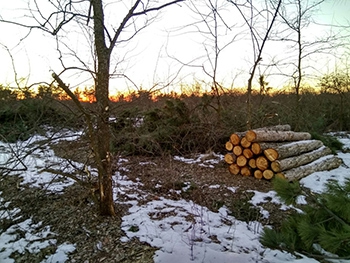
258,174
268,174
234,139
262,163
234,169
256,148
245,171
271,154
229,146
229,158
245,143
241,161
237,150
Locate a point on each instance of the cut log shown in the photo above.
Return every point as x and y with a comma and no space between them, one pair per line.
235,139
276,136
248,153
229,158
327,162
292,162
256,148
250,135
229,146
252,163
268,174
245,171
241,161
289,149
238,150
234,169
271,154
245,143
285,127
262,163
258,174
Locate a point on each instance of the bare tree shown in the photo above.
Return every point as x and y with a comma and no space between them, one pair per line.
213,26
297,17
251,14
105,36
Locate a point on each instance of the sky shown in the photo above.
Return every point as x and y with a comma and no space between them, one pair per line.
156,56
176,238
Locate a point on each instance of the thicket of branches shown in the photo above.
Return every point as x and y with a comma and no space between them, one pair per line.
179,125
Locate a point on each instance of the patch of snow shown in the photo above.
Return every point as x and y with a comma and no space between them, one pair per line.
61,254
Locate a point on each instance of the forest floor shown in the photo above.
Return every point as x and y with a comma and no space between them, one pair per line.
68,218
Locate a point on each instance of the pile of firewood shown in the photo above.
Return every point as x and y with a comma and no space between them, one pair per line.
277,151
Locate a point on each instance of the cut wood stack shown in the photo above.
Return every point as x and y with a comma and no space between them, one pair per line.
277,151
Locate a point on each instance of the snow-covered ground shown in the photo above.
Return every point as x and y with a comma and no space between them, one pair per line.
182,231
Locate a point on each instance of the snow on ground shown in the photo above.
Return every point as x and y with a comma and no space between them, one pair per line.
182,230
26,159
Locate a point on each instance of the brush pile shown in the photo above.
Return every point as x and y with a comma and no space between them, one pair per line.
277,151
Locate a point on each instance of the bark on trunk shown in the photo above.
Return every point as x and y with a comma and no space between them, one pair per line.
290,149
328,162
102,100
292,162
285,127
276,136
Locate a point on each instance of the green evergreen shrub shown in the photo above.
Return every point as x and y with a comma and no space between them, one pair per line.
324,221
21,119
330,141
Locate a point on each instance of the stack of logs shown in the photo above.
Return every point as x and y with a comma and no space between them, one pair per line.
277,151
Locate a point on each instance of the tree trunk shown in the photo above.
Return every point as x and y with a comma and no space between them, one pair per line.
328,162
276,136
286,150
102,99
292,162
